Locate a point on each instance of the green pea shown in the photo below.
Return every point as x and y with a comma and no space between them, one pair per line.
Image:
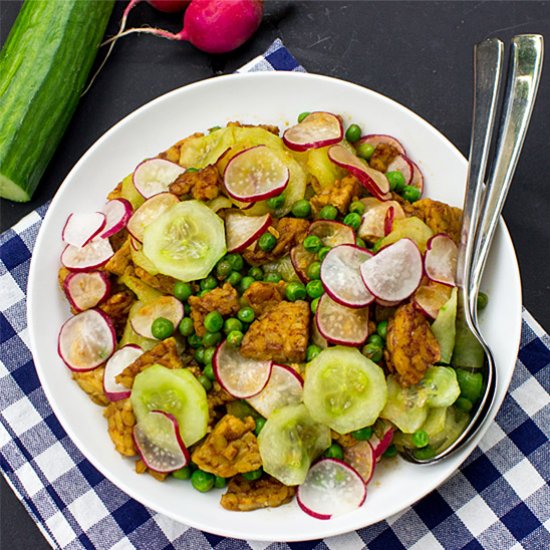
213,322
295,291
353,133
315,289
482,300
335,451
378,245
312,352
376,340
471,384
303,115
312,243
276,202
301,209
182,473
420,438
374,353
365,150
363,434
182,291
246,314
314,270
353,220
191,169
208,371
314,304
357,207
260,423
223,269
267,242
425,453
220,482
396,179
234,278
390,452
410,193
464,404
202,293
186,308
323,252
199,355
328,212
205,381
245,283
194,341
209,355
186,327
272,278
214,129
162,328
234,338
382,329
236,261
211,339
256,273
253,475
360,242
202,481
209,283
232,324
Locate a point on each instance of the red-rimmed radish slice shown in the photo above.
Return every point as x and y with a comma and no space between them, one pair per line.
318,129
242,230
89,257
81,227
123,357
254,174
340,324
374,181
383,139
316,336
154,176
158,441
117,213
283,388
395,272
86,289
387,303
168,307
429,299
440,259
240,376
417,179
376,220
301,259
86,340
341,277
332,233
362,458
331,488
382,441
401,164
148,212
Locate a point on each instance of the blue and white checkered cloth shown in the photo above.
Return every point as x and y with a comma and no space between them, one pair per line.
500,498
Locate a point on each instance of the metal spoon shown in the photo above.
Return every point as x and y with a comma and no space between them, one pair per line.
483,203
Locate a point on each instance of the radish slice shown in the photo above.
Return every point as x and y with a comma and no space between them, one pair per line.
401,164
417,179
86,340
168,307
240,376
341,277
148,212
93,255
362,458
440,259
332,233
254,174
376,221
316,337
123,357
81,228
374,181
318,129
284,388
387,303
87,289
117,212
301,259
382,139
380,444
242,230
158,441
394,273
331,488
388,220
429,299
340,324
154,176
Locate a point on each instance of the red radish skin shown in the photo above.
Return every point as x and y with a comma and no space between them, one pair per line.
388,220
169,6
417,179
85,290
123,357
117,213
380,444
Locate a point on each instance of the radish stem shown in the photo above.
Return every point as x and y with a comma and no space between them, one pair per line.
146,30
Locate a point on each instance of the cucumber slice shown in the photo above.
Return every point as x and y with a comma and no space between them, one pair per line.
468,352
186,241
344,389
200,151
283,267
409,228
434,426
289,442
130,193
455,422
444,328
441,386
143,291
175,391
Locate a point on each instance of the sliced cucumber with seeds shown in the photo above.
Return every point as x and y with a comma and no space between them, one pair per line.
406,407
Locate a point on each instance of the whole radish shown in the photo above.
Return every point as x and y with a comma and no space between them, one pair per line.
169,6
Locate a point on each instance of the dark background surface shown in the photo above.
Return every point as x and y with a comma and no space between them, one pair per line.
418,53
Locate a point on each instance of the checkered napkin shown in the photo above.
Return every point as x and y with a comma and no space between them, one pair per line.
499,499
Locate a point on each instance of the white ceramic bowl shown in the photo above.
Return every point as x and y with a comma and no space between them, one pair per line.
254,98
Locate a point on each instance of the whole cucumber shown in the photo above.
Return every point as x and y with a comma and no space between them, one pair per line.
44,66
